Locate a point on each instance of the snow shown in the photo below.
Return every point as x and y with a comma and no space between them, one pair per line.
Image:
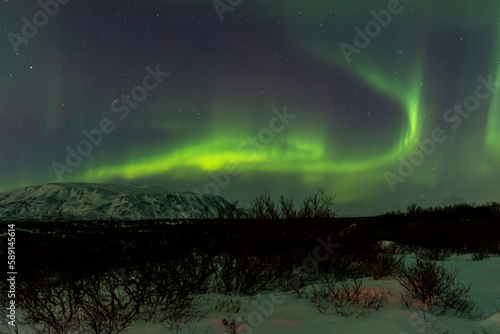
294,315
284,312
268,311
95,201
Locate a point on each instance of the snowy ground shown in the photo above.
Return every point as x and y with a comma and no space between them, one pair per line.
287,313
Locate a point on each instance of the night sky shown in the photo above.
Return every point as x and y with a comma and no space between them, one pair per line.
381,103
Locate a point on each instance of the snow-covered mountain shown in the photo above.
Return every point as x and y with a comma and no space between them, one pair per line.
101,201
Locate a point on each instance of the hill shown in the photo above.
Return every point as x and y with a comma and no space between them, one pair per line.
100,201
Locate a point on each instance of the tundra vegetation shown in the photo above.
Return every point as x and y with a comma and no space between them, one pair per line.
102,276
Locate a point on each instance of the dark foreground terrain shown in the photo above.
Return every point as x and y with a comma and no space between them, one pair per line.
82,248
162,266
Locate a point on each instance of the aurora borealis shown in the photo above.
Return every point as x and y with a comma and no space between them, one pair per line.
264,99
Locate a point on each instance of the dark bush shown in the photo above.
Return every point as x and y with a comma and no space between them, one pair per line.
318,205
344,266
287,208
168,293
347,298
231,211
51,304
247,274
434,287
111,302
384,264
264,208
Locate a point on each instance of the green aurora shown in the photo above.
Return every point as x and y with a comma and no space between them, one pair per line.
216,116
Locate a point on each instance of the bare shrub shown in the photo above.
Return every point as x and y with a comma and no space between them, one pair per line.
385,264
480,255
407,300
231,211
263,207
287,208
318,205
421,281
482,331
232,326
433,253
230,306
196,269
494,207
112,302
436,288
243,274
296,279
9,325
374,299
413,210
11,329
170,299
52,302
100,303
344,266
347,298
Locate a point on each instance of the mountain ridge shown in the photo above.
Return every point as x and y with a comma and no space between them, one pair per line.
79,201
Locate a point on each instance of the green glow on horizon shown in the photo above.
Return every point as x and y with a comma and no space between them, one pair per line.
492,136
301,149
357,119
